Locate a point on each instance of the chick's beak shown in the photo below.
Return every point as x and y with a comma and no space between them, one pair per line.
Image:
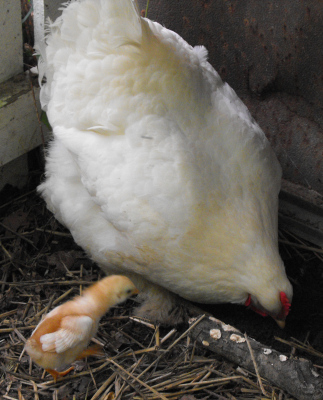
280,323
136,291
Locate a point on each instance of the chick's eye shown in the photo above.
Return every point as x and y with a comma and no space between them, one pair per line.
129,291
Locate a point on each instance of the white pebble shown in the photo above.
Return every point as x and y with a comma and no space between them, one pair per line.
237,338
215,334
315,374
229,328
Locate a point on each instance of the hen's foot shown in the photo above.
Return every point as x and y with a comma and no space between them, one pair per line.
166,310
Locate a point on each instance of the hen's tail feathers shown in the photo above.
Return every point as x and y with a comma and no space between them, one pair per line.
114,22
92,27
125,22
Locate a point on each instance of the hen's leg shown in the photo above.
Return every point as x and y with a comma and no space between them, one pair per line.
161,306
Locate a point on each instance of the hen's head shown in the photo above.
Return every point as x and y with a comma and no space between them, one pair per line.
267,289
277,305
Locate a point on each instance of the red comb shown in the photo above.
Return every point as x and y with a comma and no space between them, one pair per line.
285,303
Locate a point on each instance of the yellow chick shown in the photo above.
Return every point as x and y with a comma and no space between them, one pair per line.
64,334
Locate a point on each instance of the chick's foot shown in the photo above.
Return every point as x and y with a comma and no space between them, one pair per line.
55,374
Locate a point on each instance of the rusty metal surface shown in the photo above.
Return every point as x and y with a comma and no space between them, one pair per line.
271,53
295,136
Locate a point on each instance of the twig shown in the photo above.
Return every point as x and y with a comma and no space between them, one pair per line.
46,282
173,344
302,246
43,311
19,235
22,328
160,396
104,386
255,366
18,198
169,334
8,313
62,297
300,346
63,234
35,390
141,321
127,382
9,256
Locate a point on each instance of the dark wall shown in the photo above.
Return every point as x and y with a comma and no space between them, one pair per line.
271,53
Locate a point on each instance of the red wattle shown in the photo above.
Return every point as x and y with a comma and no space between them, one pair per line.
262,313
248,301
248,304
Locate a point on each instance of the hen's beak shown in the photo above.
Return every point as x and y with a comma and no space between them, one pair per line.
280,323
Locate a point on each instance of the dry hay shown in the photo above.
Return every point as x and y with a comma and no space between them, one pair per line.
41,267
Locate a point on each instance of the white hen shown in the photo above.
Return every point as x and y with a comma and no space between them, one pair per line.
157,167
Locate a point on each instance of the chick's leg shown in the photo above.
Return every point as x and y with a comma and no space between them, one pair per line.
56,374
91,351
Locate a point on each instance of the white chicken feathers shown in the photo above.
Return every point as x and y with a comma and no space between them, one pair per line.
73,329
157,167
